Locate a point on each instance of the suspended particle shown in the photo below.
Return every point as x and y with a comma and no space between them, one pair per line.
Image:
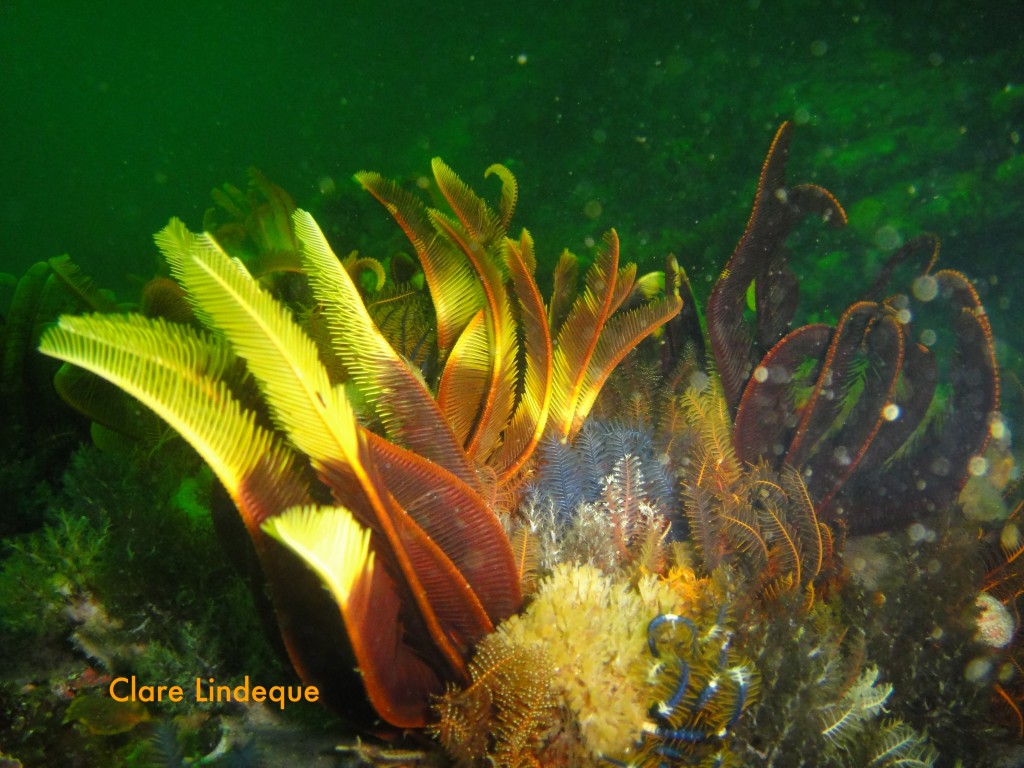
997,428
925,288
977,466
1010,537
977,670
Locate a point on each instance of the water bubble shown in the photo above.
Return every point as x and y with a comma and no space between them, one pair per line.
1010,537
928,337
997,428
761,374
327,185
592,209
888,238
977,466
917,533
819,48
699,380
925,288
891,412
977,669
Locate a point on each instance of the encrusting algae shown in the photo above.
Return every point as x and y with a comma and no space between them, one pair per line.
537,568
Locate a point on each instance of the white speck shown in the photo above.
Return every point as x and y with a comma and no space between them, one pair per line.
997,428
977,466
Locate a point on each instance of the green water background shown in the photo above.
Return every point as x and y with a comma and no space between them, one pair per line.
652,117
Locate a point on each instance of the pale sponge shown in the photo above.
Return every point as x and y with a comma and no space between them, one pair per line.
593,629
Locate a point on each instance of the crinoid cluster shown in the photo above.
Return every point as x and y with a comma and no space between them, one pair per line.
349,467
536,576
608,480
710,624
725,649
635,671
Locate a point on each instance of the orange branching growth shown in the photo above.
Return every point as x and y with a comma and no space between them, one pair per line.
395,522
595,335
762,519
513,369
441,581
503,715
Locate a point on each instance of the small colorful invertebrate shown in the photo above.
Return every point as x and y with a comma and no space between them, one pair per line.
705,689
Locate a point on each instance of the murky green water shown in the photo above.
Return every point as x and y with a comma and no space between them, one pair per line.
116,117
